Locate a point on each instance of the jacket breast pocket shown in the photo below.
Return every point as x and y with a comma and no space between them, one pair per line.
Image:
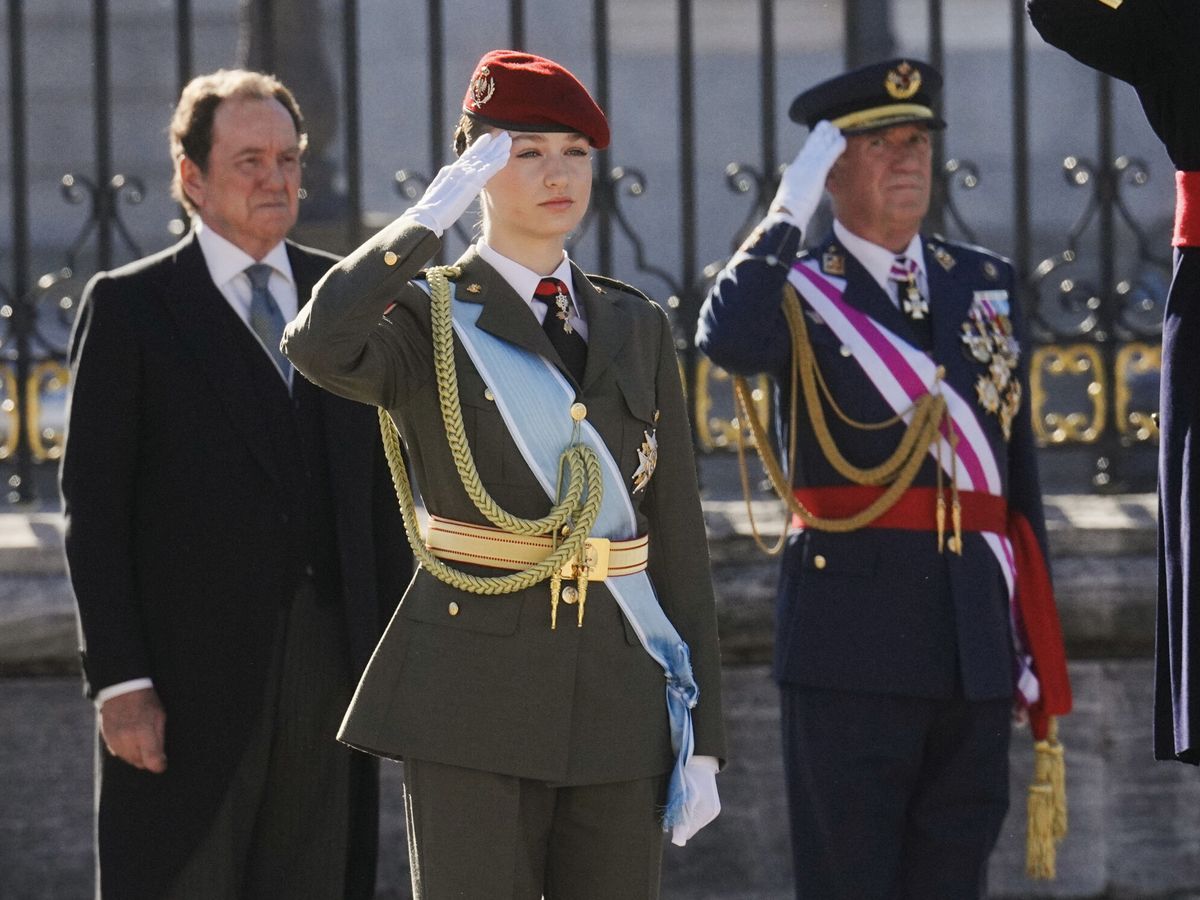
486,435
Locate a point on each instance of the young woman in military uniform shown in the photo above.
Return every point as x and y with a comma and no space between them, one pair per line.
538,406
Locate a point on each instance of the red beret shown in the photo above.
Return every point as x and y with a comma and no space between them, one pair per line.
522,92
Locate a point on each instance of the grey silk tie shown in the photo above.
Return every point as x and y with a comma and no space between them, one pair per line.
265,318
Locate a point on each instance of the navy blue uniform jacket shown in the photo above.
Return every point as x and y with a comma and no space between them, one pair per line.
884,611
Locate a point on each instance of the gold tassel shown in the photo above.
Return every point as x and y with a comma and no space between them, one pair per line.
1047,806
1058,781
555,589
1039,845
582,588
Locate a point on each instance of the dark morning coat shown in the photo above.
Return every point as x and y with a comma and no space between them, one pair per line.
1153,45
883,611
492,687
184,486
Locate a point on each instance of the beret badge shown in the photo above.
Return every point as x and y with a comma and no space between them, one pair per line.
483,86
903,81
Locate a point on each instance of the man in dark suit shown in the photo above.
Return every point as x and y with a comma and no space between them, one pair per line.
914,605
232,540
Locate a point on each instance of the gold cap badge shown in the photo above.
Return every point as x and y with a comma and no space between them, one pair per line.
903,81
483,86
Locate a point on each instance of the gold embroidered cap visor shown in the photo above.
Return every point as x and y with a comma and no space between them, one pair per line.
895,92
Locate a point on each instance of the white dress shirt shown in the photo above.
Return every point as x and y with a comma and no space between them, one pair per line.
878,260
227,265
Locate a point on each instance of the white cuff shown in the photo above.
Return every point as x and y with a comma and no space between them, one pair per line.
121,687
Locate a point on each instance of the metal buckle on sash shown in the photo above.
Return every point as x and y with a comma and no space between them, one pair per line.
594,567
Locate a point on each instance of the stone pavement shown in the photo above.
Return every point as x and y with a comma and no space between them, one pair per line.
1135,824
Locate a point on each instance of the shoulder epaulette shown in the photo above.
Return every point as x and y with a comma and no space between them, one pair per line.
973,248
605,281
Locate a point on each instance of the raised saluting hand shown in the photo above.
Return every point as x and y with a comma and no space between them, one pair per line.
457,185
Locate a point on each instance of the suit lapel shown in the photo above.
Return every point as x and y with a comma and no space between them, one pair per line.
207,328
608,326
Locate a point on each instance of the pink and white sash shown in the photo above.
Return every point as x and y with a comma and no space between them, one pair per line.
903,374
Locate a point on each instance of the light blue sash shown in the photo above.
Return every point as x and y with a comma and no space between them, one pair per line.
534,400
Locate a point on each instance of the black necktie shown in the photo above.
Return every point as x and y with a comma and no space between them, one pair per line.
572,349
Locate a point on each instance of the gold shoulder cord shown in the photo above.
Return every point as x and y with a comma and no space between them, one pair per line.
898,471
573,516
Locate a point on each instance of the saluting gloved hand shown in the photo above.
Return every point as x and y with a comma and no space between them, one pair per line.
457,185
803,182
703,803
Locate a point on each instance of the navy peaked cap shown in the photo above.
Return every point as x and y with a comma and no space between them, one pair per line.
880,95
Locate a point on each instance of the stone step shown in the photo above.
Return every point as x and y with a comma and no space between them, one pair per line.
1134,824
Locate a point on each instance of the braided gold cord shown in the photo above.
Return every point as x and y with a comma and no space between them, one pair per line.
900,468
580,462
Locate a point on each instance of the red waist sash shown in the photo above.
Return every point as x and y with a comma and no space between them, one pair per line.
916,510
1187,209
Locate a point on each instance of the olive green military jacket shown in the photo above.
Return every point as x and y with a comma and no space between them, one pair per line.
482,681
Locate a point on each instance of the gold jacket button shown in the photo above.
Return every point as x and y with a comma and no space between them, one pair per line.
570,594
390,258
819,561
488,395
578,412
452,608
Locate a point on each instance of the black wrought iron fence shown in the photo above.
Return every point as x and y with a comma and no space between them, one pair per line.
666,217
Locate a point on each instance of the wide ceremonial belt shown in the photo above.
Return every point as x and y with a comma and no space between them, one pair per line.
482,545
916,510
1187,209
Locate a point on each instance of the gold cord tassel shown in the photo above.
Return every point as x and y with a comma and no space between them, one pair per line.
581,586
555,590
1047,806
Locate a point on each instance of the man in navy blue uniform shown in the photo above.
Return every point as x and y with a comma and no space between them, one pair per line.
1151,44
914,607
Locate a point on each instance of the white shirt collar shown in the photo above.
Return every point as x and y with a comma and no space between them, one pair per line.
523,280
878,260
226,260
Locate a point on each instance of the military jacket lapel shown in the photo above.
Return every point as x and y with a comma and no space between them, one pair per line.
864,293
207,328
950,303
608,326
504,315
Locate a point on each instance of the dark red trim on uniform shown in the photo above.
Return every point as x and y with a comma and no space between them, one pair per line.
916,510
1187,209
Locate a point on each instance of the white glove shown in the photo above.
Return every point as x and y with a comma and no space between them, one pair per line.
803,182
702,804
456,186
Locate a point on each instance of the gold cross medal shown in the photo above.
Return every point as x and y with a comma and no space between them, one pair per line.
647,458
563,302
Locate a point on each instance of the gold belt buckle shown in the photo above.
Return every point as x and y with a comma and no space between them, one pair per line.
595,561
